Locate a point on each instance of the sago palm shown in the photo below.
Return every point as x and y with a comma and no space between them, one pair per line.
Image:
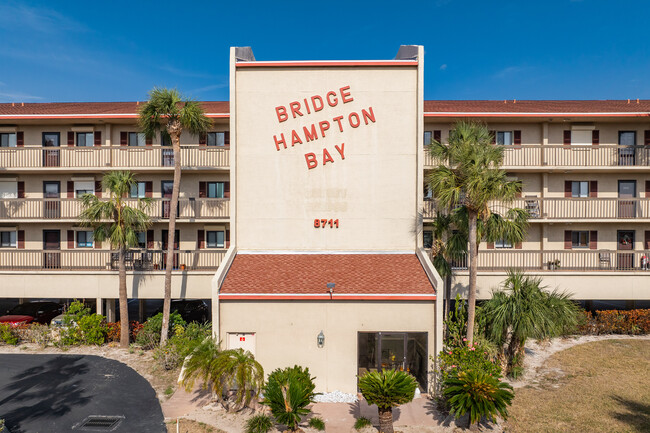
167,110
114,220
464,184
387,389
287,393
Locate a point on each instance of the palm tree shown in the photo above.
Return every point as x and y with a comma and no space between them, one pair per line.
287,393
387,389
114,220
524,309
167,110
464,184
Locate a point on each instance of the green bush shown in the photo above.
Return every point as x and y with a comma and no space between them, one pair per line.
181,344
93,329
317,423
478,393
454,360
80,326
149,336
8,335
387,389
259,424
362,422
40,334
287,393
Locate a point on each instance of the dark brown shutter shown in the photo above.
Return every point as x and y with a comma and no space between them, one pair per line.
70,239
567,137
227,238
593,240
203,188
98,138
646,241
493,134
593,188
200,239
490,245
148,141
70,189
567,188
646,137
437,135
226,190
647,189
150,239
595,137
98,245
567,240
21,189
148,189
98,188
70,138
203,139
21,239
177,235
226,138
517,138
20,138
124,138
518,246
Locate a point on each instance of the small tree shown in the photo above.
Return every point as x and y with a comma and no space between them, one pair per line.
387,389
119,223
168,111
287,393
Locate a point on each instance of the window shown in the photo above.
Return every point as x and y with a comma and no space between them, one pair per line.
136,139
502,243
8,239
428,135
51,139
428,192
215,239
581,138
580,239
81,188
428,239
579,189
216,138
8,139
165,139
8,189
504,138
85,139
84,239
215,189
137,190
627,138
142,239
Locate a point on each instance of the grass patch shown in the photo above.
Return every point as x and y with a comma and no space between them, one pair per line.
598,386
169,391
362,422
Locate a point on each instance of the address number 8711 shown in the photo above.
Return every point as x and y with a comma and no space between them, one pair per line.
322,223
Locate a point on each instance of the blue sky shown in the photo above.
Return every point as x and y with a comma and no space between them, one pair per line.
116,51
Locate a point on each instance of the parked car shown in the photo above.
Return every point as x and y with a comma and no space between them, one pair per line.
191,310
32,312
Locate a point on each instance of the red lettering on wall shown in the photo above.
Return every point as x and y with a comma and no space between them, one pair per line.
368,115
311,160
332,100
324,126
281,141
295,138
282,113
338,120
307,106
314,99
295,108
356,122
341,150
310,134
345,96
327,157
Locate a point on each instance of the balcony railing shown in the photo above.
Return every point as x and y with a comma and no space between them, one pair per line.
117,157
569,156
574,208
561,260
104,260
70,208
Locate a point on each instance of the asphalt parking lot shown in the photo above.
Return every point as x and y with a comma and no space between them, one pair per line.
58,393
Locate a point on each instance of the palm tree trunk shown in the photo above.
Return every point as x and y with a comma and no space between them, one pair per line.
473,260
386,420
124,309
173,205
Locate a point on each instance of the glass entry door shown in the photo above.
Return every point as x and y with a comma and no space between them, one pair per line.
626,151
51,155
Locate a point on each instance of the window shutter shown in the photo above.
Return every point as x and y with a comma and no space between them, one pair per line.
70,189
646,241
437,135
490,245
21,189
98,188
70,138
20,138
593,188
98,245
647,189
20,235
518,246
176,240
517,138
593,240
226,138
493,135
148,189
150,239
227,238
203,139
124,138
200,239
567,137
98,138
203,189
567,240
646,137
70,239
567,188
595,137
226,190
148,141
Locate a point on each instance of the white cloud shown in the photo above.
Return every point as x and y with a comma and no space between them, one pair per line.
43,20
443,66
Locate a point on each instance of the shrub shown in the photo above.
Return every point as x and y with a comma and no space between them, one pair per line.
387,389
149,336
8,335
479,394
617,322
463,358
362,422
181,344
259,424
113,332
288,392
80,326
93,329
40,334
317,423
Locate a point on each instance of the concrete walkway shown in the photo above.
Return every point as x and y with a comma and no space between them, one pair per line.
182,403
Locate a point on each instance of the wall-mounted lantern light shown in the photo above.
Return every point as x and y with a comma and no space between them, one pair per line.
320,340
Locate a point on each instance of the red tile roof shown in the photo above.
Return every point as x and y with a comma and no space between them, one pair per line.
355,275
517,106
94,109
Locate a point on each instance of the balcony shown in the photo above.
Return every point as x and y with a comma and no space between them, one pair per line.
105,260
572,209
113,157
561,260
559,157
70,208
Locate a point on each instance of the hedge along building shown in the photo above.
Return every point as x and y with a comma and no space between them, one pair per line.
325,267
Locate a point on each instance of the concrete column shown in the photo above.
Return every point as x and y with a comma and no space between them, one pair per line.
110,310
100,306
